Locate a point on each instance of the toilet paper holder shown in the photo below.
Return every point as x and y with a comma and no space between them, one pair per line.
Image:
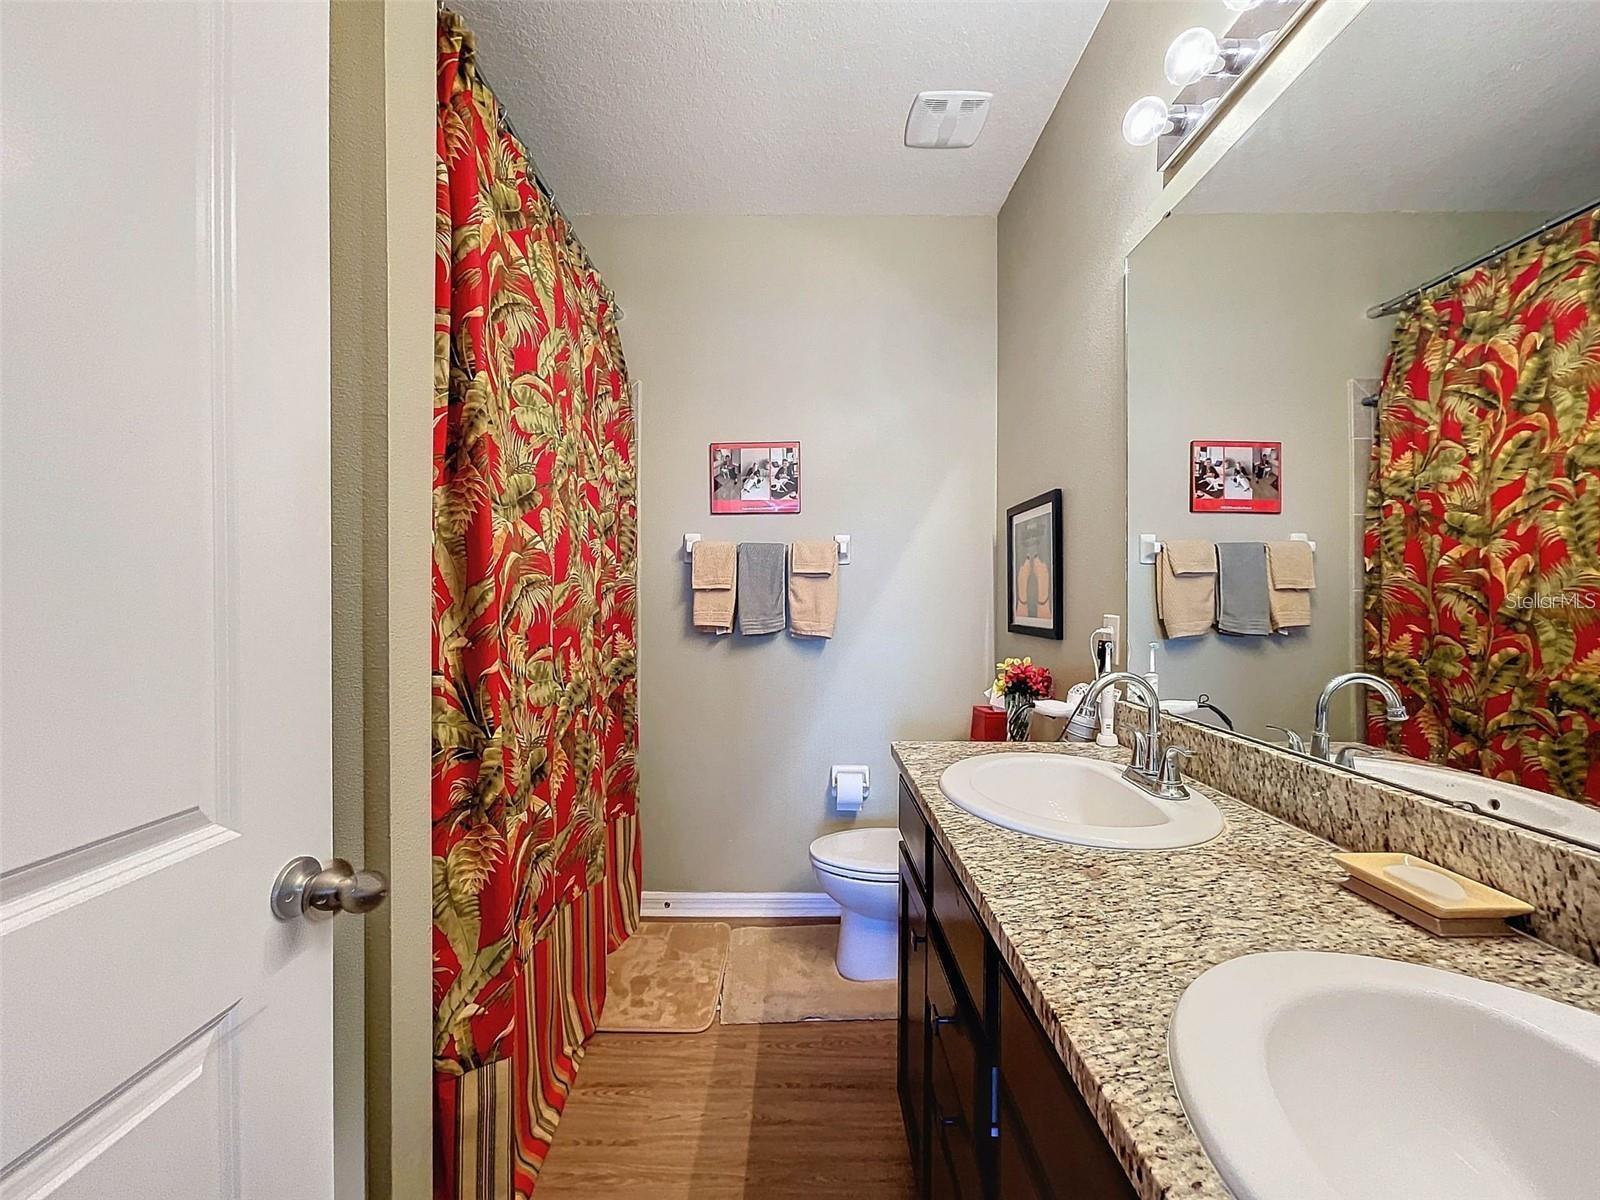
846,771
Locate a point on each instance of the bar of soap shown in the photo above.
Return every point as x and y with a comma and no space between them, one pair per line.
1425,879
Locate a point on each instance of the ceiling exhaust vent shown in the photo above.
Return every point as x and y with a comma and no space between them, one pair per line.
946,120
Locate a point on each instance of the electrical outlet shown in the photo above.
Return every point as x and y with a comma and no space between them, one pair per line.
1113,622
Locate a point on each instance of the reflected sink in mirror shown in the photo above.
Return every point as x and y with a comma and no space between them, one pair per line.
1504,801
1083,801
1312,1076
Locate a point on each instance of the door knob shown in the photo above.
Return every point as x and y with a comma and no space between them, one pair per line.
306,885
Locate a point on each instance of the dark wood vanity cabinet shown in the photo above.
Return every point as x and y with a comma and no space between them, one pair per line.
990,1111
913,1030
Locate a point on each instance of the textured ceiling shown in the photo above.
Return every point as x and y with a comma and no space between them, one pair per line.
773,106
1437,106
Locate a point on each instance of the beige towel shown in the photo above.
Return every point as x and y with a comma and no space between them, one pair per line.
1291,576
1186,587
712,575
813,588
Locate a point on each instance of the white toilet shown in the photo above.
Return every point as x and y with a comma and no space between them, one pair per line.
860,870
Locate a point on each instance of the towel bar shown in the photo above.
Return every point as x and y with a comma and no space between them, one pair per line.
842,540
1150,545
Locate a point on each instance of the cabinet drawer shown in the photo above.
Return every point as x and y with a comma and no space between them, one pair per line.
953,1055
914,835
912,1039
963,936
1044,1114
944,1181
955,1140
958,1093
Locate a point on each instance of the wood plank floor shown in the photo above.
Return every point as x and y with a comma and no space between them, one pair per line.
767,1112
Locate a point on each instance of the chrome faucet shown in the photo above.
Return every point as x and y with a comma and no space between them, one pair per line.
1394,706
1155,769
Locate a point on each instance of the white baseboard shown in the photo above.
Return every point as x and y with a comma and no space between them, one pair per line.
738,904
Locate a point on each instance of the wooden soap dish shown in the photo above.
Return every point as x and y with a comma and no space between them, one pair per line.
1431,897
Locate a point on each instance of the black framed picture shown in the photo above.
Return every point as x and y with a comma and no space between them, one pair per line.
1033,566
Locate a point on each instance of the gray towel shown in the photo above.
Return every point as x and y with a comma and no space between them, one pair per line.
1243,603
763,574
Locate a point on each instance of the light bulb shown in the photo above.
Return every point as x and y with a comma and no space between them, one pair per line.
1145,121
1194,54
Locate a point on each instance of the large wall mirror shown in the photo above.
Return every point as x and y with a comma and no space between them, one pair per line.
1441,451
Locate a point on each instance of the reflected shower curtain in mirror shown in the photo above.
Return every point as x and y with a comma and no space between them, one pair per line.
1483,519
535,826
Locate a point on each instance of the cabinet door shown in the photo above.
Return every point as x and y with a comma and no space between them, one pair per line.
1018,1176
1044,1112
913,1019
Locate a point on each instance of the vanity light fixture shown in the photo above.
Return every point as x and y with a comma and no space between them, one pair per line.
1196,53
1206,67
1150,116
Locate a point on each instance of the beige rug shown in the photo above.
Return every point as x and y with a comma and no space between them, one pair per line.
666,978
781,973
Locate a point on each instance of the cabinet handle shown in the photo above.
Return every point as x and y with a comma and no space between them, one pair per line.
947,1122
939,1018
918,939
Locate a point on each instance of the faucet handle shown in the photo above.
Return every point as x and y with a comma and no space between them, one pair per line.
1171,764
1296,742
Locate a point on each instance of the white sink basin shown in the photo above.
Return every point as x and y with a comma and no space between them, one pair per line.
1079,800
1339,1077
1504,801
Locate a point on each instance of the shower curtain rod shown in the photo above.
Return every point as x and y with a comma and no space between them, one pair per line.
1399,302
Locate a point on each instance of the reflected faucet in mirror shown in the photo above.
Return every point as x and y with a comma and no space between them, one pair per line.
1295,741
1394,707
1155,767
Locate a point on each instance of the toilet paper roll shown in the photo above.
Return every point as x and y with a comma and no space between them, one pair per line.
849,792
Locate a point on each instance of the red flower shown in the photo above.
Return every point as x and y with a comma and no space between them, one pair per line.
1027,679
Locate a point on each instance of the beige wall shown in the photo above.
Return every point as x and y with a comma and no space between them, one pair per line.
1251,327
381,159
872,342
1063,235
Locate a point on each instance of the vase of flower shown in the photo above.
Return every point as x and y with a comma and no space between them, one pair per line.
1021,683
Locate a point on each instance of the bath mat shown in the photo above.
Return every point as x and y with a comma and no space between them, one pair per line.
666,978
782,973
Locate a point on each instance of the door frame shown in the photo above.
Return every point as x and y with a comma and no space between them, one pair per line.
381,150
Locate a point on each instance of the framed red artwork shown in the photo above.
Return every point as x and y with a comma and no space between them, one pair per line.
755,477
1235,477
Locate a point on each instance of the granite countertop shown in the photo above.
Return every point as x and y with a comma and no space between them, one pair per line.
1104,942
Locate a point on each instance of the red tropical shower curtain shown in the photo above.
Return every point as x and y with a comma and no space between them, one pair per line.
1483,518
535,825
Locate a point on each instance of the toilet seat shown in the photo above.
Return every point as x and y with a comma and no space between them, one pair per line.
870,855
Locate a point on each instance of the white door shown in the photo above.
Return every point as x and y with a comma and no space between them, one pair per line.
164,606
